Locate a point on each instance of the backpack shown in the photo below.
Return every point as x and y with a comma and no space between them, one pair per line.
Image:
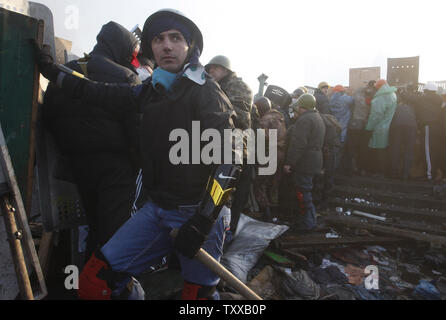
332,132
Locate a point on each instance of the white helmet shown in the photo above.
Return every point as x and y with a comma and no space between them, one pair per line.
431,86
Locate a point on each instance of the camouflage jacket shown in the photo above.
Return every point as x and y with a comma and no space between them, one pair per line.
275,120
240,96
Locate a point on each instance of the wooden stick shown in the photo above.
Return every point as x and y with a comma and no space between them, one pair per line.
221,271
22,220
16,250
216,267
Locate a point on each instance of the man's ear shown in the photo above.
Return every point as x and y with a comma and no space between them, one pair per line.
191,50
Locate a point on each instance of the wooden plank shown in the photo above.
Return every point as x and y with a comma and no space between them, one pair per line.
289,243
33,124
400,211
14,237
356,222
22,220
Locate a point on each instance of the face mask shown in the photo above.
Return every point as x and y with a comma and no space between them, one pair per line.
291,113
163,78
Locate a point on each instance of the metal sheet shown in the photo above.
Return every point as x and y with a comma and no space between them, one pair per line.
16,88
403,71
359,77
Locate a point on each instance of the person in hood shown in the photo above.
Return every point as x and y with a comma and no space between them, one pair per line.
382,111
186,210
99,144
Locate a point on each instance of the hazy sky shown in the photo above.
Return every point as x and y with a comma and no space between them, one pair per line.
294,42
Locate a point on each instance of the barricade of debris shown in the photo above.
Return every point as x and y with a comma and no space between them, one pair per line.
372,243
346,263
380,239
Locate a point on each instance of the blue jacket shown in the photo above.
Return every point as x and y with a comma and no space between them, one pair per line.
341,106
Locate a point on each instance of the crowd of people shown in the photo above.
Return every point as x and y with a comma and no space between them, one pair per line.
115,125
377,130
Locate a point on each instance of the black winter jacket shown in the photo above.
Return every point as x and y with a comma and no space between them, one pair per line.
427,107
83,128
305,142
322,102
168,185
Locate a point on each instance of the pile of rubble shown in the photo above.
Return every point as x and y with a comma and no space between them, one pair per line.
381,240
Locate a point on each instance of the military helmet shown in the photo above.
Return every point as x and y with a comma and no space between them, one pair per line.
306,101
146,45
220,61
323,85
298,92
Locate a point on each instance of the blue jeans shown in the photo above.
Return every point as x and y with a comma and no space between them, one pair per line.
306,211
144,240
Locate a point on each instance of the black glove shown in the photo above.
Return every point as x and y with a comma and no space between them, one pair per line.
192,235
45,62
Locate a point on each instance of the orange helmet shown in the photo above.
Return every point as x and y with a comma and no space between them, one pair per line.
380,83
339,88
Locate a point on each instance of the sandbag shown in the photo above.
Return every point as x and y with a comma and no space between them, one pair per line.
249,243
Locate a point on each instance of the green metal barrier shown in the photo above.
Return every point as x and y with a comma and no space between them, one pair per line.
17,81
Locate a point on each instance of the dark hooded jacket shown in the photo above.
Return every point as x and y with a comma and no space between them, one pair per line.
98,142
84,129
322,102
305,141
168,184
427,107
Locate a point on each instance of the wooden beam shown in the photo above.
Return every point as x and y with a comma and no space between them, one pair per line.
356,222
289,243
15,237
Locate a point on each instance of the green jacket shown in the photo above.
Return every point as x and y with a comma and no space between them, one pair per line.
381,114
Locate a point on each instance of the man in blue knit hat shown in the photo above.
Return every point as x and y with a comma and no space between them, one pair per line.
189,197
